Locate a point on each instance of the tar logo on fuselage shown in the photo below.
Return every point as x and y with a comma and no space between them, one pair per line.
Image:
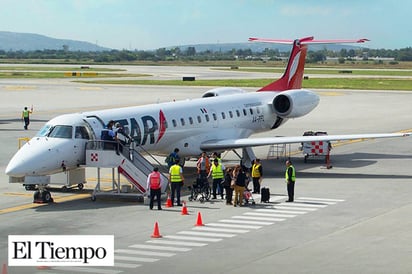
144,132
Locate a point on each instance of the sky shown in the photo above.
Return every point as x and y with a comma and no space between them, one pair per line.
152,24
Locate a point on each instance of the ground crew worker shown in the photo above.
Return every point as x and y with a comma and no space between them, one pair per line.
290,177
257,173
218,173
176,180
154,185
25,115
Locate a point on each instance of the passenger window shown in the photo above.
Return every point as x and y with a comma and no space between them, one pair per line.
244,112
251,111
238,113
230,114
214,116
199,119
207,117
223,115
182,121
191,120
174,123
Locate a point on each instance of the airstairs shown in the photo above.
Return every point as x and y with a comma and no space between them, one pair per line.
128,161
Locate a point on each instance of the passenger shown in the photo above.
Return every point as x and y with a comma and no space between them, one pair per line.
227,185
108,136
121,136
290,177
176,180
154,185
240,178
171,159
257,173
203,167
217,172
25,115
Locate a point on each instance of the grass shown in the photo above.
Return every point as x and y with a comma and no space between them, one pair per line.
322,83
62,74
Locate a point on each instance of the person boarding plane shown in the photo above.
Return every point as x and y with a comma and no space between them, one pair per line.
222,119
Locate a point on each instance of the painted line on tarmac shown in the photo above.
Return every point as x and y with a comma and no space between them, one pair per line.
33,205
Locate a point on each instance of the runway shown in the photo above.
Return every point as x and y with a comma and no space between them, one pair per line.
353,218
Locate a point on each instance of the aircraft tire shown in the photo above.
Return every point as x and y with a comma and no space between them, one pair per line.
80,186
46,197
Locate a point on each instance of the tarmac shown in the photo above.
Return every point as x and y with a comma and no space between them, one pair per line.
352,218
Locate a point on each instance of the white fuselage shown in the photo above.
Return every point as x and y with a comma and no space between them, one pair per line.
158,128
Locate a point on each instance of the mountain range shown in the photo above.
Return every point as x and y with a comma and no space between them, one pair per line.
15,41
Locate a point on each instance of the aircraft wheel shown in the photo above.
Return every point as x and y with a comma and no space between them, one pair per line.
80,186
46,197
36,195
64,188
93,198
305,159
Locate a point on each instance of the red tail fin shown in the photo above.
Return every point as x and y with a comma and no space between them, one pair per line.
293,76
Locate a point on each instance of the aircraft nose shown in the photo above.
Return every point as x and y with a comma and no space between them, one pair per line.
17,166
32,159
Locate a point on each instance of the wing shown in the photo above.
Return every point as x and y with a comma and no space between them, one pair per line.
252,142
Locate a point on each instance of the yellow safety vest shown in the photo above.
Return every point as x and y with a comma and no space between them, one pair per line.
293,174
217,172
175,174
255,171
25,113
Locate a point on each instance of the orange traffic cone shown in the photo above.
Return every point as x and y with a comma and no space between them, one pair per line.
184,209
169,202
156,233
199,220
4,270
43,267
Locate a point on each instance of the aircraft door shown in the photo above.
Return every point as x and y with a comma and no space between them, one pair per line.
96,125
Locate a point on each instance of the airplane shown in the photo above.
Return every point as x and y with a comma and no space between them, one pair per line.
222,119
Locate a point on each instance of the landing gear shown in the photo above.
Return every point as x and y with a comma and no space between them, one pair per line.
42,195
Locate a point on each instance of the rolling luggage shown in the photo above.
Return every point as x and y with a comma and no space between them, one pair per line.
265,195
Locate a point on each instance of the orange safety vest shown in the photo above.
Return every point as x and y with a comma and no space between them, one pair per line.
155,180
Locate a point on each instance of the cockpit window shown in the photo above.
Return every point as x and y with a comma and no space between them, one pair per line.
61,132
43,131
81,133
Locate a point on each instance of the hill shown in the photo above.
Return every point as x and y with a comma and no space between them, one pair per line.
15,41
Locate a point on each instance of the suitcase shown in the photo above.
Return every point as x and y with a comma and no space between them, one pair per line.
265,195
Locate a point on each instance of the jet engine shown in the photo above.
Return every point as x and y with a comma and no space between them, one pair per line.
295,103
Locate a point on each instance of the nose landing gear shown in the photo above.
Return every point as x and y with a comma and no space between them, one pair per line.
42,195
